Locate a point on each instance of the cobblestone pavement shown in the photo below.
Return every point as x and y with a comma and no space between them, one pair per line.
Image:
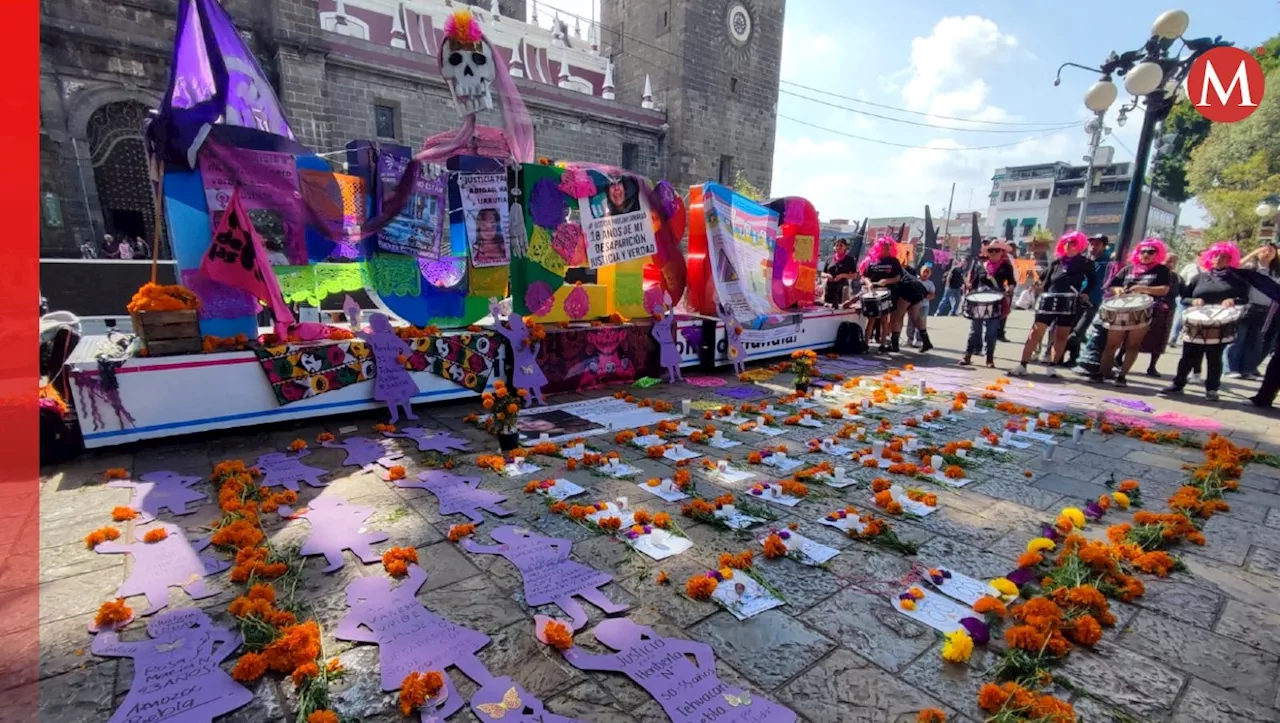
1201,646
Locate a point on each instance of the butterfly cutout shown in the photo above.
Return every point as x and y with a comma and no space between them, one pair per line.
510,702
738,700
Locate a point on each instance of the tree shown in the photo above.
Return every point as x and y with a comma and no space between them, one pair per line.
1237,166
1169,172
743,186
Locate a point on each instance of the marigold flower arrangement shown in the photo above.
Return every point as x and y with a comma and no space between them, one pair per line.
504,405
101,535
774,547
418,688
1012,702
493,462
112,614
457,532
123,514
396,561
701,587
163,297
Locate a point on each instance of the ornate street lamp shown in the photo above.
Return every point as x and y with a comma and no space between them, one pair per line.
1152,76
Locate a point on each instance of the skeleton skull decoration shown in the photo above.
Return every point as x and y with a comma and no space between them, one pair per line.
468,64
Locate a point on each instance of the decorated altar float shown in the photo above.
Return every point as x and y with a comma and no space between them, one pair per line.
480,262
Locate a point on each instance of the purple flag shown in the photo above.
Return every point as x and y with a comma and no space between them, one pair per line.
214,78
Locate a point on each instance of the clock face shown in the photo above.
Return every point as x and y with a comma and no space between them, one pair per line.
739,23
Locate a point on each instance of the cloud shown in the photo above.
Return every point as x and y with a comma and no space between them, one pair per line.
954,53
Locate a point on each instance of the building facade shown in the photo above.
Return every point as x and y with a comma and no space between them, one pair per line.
713,66
368,69
1021,195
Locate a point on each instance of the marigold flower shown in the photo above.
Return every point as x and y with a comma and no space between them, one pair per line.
1156,562
1085,630
116,473
396,472
988,604
156,535
774,547
880,484
100,535
1024,637
1075,515
297,445
558,635
1029,559
907,604
123,514
931,715
324,437
112,613
396,560
418,688
324,715
1004,587
1121,499
700,587
663,578
457,532
662,520
302,672
958,647
249,667
992,697
610,524
1128,485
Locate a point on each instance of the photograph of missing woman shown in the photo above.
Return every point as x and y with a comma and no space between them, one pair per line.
488,248
621,196
555,424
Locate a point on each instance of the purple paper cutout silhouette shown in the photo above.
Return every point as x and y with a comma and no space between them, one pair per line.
689,691
177,676
503,699
526,374
458,495
411,638
161,491
692,334
747,393
280,469
361,451
430,440
351,310
393,384
550,577
737,354
668,352
337,526
174,561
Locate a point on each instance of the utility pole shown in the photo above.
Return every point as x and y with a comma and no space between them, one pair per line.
1096,131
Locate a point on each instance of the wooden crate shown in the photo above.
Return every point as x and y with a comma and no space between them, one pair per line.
164,333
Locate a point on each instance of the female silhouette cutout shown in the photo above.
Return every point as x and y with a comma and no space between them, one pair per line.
527,374
393,383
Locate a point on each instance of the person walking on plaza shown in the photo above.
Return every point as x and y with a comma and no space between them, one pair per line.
1246,353
953,285
1219,283
916,332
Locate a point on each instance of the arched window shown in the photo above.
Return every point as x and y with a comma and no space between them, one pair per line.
119,161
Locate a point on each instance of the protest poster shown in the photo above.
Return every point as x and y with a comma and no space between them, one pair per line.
419,229
485,207
616,224
269,194
741,235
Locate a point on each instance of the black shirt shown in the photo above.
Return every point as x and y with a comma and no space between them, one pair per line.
1214,287
1068,275
1154,276
882,269
980,280
834,293
955,278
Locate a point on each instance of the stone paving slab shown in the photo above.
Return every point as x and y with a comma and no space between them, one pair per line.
1201,645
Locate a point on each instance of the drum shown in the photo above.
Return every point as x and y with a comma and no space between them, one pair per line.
1131,311
1058,303
1210,325
983,305
876,303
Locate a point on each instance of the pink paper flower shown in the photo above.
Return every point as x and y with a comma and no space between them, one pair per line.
569,242
577,183
577,303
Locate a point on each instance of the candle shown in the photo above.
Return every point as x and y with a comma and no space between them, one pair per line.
935,461
722,465
544,437
838,473
970,404
718,435
1049,447
877,448
1044,417
760,421
782,456
1006,436
817,393
686,406
962,453
1077,432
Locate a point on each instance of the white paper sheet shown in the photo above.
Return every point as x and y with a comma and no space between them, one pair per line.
563,489
753,600
667,491
806,551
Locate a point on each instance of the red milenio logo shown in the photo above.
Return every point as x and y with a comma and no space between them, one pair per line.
1226,85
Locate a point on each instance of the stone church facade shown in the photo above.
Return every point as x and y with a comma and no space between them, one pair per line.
367,69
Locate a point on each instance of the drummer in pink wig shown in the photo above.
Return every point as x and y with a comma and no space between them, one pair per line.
1061,302
882,270
1144,276
1219,285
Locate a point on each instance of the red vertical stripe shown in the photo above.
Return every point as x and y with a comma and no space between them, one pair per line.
19,464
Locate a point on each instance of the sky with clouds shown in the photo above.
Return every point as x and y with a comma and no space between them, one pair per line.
980,61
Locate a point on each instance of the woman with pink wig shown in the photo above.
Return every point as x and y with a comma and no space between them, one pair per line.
881,269
1061,300
1145,274
1219,283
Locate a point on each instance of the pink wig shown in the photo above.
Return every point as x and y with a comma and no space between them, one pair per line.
882,248
1222,247
1162,253
1075,237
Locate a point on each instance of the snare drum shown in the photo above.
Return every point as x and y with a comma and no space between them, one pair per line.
1128,312
983,305
1210,325
876,303
1058,304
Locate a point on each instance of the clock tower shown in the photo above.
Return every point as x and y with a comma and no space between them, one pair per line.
713,66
